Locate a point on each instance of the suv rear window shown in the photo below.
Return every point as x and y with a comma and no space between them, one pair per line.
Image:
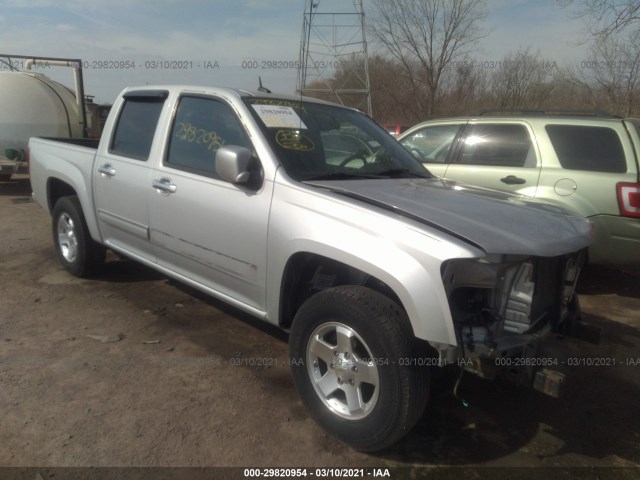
595,149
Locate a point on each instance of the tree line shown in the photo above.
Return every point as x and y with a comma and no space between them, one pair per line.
424,64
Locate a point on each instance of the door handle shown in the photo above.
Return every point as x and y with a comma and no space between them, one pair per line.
106,170
513,180
164,186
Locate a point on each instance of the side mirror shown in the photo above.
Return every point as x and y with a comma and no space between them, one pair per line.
233,163
14,154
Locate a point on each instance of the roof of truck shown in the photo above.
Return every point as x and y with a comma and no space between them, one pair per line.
213,90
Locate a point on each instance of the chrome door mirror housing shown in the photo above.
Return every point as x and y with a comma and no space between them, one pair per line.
233,164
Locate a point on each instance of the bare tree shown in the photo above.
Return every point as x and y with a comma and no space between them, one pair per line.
609,79
427,37
466,89
392,99
573,90
522,80
607,17
391,96
615,72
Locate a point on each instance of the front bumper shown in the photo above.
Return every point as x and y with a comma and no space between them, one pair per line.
504,310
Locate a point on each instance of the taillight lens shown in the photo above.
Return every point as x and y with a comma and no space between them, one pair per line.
629,199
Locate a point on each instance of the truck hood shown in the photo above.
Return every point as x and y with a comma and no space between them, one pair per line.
496,222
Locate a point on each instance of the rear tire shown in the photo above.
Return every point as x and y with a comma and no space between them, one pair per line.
350,351
78,253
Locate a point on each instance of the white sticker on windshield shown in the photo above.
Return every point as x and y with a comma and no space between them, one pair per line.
276,116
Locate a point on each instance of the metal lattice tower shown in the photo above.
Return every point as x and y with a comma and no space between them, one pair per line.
333,53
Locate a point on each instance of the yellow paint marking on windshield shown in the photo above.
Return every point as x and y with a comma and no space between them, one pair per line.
294,140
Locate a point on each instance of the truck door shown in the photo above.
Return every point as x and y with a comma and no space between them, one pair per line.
121,174
204,228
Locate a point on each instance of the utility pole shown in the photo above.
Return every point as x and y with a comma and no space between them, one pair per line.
334,41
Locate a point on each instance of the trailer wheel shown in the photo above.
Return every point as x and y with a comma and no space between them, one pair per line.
350,352
78,253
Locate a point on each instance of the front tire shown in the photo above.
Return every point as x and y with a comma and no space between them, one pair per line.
350,350
78,253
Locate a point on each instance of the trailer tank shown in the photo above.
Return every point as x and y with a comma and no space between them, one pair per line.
31,104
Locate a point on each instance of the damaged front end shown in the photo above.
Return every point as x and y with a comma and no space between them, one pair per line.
503,306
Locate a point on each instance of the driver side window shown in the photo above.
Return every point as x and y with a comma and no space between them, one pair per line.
431,144
201,127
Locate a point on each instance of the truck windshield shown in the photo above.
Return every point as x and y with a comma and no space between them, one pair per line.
316,141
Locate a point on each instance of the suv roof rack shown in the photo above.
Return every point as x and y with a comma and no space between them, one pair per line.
542,112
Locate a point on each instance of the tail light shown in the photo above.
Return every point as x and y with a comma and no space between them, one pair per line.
629,199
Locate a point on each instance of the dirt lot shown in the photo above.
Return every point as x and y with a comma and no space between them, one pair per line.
170,392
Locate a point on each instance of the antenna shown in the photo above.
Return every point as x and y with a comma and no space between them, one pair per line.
260,87
333,53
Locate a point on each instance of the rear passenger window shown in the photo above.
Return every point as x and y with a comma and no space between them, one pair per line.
595,149
200,128
500,145
137,124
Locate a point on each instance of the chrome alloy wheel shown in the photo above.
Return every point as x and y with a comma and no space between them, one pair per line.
342,370
67,238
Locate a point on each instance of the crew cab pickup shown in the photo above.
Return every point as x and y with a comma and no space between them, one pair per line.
310,216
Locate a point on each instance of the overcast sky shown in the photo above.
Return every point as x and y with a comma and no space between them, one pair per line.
220,42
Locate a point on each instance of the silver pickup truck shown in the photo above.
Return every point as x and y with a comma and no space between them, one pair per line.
310,216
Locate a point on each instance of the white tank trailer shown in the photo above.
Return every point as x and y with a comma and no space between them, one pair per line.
32,104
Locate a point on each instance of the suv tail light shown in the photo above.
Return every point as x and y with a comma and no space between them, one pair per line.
629,199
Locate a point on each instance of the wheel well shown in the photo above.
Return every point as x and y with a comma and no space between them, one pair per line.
56,189
306,274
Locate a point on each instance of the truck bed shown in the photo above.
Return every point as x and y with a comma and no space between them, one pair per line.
70,158
81,142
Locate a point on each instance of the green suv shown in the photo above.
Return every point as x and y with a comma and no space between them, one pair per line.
587,163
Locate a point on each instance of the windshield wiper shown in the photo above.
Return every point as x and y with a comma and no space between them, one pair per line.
395,172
